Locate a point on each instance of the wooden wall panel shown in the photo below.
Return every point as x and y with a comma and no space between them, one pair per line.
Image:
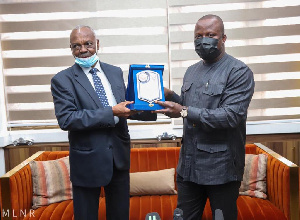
287,145
15,155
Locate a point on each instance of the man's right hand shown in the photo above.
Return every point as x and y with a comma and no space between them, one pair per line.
121,110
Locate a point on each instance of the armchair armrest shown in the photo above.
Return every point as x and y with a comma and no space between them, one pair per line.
282,182
16,186
16,190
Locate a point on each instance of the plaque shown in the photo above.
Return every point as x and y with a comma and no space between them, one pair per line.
145,86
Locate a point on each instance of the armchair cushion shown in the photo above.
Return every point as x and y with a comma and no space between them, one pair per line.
159,182
50,181
254,179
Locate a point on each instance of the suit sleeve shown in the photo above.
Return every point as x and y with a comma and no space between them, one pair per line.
233,106
175,98
71,118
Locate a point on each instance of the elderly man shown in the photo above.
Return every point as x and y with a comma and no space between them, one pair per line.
89,99
214,99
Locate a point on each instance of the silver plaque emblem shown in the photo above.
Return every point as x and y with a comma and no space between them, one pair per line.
149,86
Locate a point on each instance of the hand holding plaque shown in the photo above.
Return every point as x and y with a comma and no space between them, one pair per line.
145,86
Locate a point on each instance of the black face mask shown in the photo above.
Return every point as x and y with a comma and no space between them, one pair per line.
207,48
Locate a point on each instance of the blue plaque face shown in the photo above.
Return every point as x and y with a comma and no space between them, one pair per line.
145,86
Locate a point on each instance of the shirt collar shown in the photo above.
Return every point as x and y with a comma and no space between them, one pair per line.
87,69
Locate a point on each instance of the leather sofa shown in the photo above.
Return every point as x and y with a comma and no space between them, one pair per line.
282,189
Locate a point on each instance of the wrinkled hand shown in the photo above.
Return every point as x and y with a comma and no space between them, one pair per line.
121,110
171,109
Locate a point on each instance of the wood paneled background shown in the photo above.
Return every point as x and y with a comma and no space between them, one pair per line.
14,155
287,145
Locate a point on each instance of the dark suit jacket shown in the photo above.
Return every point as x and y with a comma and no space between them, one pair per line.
96,142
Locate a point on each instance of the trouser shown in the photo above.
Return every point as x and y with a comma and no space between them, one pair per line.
86,200
192,199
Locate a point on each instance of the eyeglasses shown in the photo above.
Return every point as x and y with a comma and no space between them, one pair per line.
87,45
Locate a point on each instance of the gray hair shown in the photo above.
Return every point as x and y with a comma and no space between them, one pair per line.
84,26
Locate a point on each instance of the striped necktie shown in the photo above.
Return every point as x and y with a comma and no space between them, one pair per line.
99,87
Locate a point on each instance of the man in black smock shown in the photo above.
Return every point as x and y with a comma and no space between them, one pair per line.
214,99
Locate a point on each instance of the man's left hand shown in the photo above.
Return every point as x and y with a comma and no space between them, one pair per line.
172,109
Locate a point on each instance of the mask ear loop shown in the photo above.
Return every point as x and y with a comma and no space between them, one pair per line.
97,47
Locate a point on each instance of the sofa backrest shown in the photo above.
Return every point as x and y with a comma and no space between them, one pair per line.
282,175
151,159
52,155
251,149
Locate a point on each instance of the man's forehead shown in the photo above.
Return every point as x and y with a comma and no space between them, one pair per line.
81,33
209,23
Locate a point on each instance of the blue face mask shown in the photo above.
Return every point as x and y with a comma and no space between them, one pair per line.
87,62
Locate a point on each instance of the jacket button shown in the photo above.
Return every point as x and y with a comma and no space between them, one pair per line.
110,147
194,125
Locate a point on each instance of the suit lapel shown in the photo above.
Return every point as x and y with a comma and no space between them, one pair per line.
82,79
111,76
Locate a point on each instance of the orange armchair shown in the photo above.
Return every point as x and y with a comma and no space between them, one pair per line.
282,189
